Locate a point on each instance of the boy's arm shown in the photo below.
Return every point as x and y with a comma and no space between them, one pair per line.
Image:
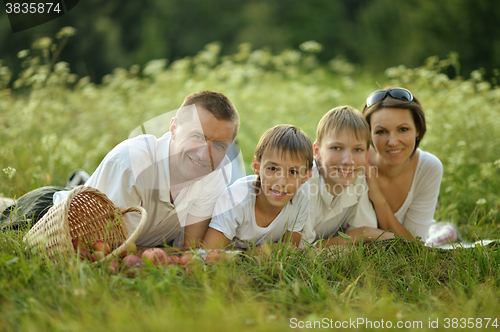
215,239
291,237
358,235
195,230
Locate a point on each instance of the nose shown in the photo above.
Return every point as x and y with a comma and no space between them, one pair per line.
203,151
393,140
347,158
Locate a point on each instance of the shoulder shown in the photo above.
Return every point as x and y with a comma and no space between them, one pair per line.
141,148
429,163
239,192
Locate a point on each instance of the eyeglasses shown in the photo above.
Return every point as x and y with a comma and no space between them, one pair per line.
398,93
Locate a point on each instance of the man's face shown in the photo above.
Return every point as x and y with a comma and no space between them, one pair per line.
199,143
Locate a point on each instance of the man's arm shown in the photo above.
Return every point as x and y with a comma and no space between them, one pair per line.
195,230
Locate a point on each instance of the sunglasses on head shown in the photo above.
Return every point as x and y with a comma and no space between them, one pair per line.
398,93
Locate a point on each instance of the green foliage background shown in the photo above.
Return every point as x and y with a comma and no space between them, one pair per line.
374,33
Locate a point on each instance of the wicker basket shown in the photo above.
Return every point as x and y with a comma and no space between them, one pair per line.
88,215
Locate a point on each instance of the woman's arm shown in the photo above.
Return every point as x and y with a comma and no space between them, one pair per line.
386,218
215,239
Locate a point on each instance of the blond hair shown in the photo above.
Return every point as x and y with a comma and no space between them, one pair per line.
343,118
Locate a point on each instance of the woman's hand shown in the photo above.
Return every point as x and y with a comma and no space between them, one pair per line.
375,193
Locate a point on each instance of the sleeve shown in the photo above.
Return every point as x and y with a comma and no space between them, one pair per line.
225,216
301,211
213,185
117,182
362,214
420,214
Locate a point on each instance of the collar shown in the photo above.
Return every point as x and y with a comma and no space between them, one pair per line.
347,197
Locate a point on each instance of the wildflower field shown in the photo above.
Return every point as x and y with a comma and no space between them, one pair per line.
52,122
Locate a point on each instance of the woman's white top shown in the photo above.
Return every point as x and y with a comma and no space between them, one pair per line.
417,212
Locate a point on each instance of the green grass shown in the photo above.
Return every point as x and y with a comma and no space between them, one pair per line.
51,124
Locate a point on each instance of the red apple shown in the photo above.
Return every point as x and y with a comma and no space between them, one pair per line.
131,250
155,255
171,261
188,270
97,256
132,261
214,256
114,267
84,255
101,246
77,244
185,259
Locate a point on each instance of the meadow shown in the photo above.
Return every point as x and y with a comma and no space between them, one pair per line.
52,122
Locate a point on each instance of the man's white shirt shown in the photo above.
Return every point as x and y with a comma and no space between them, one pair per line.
136,173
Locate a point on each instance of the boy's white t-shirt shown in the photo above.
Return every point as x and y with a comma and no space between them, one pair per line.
234,215
350,209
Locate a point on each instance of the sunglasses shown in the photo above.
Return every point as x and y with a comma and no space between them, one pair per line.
398,93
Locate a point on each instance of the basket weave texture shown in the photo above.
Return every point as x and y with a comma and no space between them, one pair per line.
88,215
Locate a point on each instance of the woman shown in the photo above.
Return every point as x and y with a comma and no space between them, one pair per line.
404,184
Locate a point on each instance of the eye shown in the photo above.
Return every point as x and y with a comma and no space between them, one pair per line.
271,168
196,136
359,150
294,172
335,148
378,132
403,129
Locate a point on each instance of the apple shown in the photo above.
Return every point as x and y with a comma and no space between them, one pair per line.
131,250
215,256
97,256
172,260
101,246
188,270
155,255
77,244
185,259
132,261
84,255
114,267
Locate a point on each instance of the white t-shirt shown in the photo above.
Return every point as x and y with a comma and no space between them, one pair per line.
136,173
234,215
417,212
350,209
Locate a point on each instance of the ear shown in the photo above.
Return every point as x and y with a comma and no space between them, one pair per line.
256,166
173,127
316,154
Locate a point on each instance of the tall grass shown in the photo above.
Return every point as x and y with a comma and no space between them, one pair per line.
52,123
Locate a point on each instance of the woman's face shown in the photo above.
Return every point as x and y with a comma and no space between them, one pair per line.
393,134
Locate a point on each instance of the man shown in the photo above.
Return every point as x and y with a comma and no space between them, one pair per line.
177,177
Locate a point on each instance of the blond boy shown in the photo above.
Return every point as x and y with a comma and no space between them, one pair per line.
339,192
274,203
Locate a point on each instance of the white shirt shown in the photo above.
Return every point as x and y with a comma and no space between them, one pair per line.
234,215
417,212
136,173
349,210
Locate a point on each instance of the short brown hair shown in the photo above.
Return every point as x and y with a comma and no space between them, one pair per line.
342,118
286,139
413,106
216,103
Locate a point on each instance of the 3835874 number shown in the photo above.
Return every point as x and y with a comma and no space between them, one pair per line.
470,323
32,8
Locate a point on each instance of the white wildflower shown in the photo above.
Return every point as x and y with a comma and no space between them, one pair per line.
481,201
9,171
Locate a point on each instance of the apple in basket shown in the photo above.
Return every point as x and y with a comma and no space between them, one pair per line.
101,246
155,255
77,244
131,250
97,256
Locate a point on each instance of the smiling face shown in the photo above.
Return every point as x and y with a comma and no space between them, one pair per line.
342,157
198,145
280,178
393,134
